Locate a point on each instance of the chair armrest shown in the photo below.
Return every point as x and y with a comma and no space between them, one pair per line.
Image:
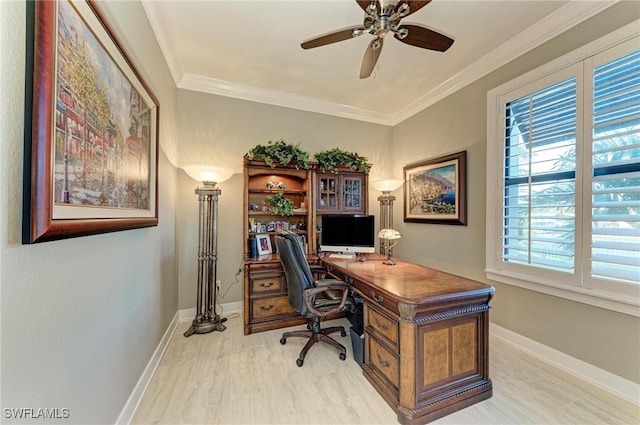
331,282
317,269
309,295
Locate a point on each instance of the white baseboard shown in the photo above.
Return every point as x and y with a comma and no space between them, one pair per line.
614,384
187,314
129,409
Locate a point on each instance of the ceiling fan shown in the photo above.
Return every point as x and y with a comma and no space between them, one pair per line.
381,18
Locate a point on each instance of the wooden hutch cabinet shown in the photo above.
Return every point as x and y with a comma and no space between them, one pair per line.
265,289
266,305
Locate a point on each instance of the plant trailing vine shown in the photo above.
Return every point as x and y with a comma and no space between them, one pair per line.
329,160
280,153
279,204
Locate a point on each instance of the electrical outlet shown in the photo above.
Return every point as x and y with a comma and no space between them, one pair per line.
218,285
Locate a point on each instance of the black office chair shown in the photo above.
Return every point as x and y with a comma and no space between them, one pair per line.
313,299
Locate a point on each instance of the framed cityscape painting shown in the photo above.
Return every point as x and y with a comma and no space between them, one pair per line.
436,190
91,128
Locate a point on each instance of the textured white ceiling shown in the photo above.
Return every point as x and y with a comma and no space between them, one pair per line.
251,50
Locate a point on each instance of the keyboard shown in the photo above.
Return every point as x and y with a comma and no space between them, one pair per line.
344,256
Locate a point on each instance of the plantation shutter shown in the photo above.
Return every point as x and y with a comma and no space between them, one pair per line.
615,188
539,182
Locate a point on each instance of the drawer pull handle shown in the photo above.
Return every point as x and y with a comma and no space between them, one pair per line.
377,298
382,362
348,280
266,308
381,325
266,285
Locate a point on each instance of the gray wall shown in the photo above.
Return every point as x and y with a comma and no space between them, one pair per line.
219,131
603,338
82,317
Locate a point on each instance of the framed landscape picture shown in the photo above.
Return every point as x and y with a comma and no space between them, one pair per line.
436,190
91,128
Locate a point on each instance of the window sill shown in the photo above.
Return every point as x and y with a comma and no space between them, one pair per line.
614,302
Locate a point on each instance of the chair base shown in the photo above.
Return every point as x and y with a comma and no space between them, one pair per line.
314,336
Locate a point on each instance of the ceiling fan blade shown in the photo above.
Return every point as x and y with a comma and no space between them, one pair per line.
371,56
425,38
332,37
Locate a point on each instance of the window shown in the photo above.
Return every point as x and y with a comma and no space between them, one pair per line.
563,176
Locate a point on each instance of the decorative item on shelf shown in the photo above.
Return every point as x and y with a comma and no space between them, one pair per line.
279,204
329,160
270,184
255,207
207,320
253,248
280,153
391,237
386,203
281,186
263,243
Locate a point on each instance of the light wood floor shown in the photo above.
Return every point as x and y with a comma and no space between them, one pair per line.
228,378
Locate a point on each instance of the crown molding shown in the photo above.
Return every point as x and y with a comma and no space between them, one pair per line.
544,30
159,19
280,98
563,19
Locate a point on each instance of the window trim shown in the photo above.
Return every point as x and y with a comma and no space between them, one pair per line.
544,282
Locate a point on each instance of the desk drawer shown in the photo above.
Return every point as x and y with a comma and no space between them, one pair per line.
385,326
269,307
384,361
267,284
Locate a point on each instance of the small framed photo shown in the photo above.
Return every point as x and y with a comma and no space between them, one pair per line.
264,244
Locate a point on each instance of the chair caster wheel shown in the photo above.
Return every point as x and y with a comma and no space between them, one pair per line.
343,333
299,362
283,341
343,356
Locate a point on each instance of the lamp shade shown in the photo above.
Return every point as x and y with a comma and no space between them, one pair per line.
387,185
389,234
207,173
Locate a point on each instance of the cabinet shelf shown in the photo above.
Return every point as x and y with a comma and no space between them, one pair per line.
296,212
302,192
299,232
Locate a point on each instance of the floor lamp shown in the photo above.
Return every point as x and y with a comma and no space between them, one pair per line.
207,320
386,206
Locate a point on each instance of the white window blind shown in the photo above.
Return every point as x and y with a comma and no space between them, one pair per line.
563,176
539,181
615,239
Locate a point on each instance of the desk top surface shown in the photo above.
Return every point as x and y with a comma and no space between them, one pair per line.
406,281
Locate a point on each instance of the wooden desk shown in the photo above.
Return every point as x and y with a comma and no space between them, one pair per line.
426,345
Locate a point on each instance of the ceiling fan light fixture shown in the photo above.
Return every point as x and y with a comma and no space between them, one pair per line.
402,33
381,18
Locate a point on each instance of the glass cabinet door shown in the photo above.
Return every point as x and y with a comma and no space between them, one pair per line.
328,196
352,194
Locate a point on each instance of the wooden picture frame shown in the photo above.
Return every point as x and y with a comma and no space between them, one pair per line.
264,244
435,190
91,128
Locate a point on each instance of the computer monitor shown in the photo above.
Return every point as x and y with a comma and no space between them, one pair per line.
348,233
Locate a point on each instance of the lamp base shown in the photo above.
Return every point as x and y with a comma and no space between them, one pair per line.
389,262
203,326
